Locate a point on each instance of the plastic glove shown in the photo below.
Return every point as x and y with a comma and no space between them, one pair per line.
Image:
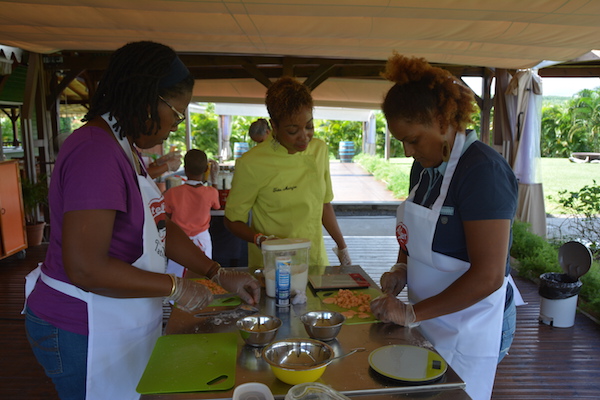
343,255
388,308
172,159
190,296
299,297
173,164
394,280
243,284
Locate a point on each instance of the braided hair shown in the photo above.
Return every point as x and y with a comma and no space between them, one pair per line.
423,92
286,97
130,87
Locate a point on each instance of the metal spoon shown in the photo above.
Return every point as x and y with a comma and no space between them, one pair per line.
356,350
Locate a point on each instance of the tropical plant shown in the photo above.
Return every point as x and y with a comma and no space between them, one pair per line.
204,132
585,117
334,132
556,124
35,194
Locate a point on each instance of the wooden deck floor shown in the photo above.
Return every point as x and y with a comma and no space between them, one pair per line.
544,362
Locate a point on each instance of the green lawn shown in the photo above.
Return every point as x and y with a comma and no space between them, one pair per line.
560,174
556,174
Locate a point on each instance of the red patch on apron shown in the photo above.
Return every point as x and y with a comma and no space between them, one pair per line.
402,235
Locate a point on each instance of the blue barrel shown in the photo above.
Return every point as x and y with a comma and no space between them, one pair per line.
346,152
239,148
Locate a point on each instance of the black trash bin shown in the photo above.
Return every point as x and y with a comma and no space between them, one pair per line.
559,292
557,286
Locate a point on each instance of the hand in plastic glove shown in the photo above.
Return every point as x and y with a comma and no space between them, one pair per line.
169,156
190,296
173,164
394,280
172,159
243,284
343,255
388,308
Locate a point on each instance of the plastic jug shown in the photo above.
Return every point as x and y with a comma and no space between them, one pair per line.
296,249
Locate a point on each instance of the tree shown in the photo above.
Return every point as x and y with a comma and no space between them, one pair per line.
585,117
556,124
204,132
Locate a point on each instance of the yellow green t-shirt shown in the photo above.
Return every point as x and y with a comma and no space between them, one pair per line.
285,193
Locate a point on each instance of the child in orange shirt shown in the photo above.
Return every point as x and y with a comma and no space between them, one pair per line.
189,205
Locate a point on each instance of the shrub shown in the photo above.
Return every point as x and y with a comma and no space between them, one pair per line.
397,180
535,256
584,209
534,253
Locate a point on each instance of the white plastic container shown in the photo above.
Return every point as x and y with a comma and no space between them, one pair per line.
298,250
252,391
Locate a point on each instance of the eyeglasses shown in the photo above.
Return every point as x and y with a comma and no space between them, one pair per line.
180,116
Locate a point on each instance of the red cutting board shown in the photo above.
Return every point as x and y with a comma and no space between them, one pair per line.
374,292
191,363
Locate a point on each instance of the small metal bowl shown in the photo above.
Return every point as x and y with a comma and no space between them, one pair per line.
296,361
258,330
323,325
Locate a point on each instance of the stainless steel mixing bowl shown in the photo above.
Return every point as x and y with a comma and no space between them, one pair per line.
323,325
258,330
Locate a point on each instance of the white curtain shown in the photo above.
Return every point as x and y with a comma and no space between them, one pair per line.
526,86
225,151
370,135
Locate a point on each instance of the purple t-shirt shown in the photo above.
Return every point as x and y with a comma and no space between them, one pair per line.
92,172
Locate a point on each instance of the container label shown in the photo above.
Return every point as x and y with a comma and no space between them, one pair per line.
283,267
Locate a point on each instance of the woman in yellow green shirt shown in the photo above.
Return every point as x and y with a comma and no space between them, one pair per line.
285,182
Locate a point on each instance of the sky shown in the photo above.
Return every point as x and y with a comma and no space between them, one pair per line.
568,86
565,87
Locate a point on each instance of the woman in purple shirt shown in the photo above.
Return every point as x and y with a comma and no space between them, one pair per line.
94,307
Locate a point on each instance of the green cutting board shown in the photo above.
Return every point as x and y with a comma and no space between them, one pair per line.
229,301
191,363
374,292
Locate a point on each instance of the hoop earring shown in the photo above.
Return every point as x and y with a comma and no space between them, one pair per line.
445,151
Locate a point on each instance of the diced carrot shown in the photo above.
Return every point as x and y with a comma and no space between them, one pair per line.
213,287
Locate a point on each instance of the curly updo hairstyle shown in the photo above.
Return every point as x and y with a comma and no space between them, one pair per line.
285,97
131,85
423,92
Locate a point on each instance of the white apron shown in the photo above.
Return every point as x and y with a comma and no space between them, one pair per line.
203,241
469,340
122,332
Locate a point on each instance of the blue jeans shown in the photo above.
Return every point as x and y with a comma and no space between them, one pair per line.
509,325
63,355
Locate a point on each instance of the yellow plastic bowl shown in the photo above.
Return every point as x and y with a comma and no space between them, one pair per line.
296,361
295,377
